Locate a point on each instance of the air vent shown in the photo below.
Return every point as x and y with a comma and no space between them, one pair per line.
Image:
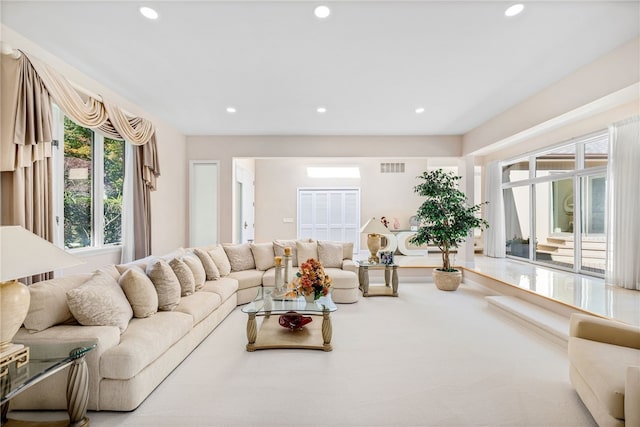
391,167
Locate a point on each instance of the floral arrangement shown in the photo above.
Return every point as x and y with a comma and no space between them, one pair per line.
310,280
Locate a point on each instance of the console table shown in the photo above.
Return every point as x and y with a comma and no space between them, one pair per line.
46,360
390,272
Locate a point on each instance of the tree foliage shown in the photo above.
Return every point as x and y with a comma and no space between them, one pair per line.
444,217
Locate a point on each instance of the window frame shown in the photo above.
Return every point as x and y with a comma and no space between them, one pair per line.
97,210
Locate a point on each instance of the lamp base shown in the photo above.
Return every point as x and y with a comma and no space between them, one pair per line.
14,305
373,243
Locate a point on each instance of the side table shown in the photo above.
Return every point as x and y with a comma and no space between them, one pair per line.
390,272
47,360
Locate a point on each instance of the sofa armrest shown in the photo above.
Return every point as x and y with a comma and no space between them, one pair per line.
604,330
348,265
632,396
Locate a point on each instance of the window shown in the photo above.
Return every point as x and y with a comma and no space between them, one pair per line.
558,196
93,170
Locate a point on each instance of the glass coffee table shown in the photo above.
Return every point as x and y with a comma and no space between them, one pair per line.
390,288
46,360
316,335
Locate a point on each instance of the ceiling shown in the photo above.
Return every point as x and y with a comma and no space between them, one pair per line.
370,64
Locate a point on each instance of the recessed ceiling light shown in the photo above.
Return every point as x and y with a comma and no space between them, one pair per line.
514,10
148,13
419,110
321,110
322,11
231,110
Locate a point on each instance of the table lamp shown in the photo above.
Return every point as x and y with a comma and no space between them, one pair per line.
374,229
23,254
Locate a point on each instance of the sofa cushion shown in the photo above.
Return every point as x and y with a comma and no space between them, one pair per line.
199,305
240,257
219,257
330,254
195,265
342,279
306,250
112,271
210,268
140,263
225,287
143,342
278,249
140,292
100,302
269,278
604,367
263,255
48,304
166,284
185,276
247,278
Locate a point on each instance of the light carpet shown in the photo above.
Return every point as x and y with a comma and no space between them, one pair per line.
426,358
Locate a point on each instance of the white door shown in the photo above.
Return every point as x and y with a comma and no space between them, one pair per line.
245,208
329,214
203,202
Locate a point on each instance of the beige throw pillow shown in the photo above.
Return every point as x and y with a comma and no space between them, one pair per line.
210,268
140,292
166,284
219,256
240,257
194,264
263,255
330,254
100,302
306,250
48,306
184,275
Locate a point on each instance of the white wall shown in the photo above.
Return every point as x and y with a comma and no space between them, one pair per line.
168,218
226,148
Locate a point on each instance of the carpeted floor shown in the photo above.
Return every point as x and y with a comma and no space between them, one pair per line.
426,358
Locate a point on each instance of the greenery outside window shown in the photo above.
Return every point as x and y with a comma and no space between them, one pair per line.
93,188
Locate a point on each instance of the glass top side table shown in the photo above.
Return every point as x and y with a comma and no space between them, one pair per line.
46,360
390,288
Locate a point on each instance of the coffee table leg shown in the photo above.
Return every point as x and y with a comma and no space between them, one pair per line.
327,330
78,393
365,281
394,281
252,331
386,275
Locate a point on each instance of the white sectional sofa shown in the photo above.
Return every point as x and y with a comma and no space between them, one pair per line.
143,326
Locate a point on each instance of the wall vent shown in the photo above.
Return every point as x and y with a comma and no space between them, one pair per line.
391,167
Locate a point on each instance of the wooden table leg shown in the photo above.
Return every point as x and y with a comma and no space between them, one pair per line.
78,393
365,281
394,281
252,331
386,275
327,330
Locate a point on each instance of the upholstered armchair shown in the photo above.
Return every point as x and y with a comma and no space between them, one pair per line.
604,359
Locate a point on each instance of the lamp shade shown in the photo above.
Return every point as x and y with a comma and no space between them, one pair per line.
24,254
374,226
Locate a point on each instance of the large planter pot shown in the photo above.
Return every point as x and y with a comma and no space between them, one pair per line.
447,280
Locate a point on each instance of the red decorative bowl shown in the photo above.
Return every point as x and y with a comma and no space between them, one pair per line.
293,321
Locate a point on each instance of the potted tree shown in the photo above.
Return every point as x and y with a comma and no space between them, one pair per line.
445,220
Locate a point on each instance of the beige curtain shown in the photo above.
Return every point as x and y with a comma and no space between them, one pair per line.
28,88
146,171
25,147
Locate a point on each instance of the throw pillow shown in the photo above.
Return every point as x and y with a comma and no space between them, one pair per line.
330,254
184,275
306,250
347,250
263,255
100,302
278,249
194,264
140,292
48,306
210,268
219,256
240,257
166,284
